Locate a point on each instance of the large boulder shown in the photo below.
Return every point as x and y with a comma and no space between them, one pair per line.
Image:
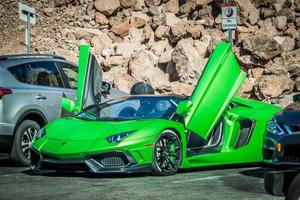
272,86
262,46
188,63
107,7
142,67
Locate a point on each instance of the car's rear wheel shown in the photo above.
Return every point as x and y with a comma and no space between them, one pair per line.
167,154
20,153
294,189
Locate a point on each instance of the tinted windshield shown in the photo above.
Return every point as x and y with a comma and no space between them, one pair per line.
133,108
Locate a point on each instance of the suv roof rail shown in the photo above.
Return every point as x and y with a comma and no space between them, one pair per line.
16,56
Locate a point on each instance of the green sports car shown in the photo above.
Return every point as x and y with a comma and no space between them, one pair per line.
157,134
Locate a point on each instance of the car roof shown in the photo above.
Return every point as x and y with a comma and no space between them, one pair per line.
17,59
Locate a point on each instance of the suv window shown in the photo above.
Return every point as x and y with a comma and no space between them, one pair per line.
22,73
71,73
46,74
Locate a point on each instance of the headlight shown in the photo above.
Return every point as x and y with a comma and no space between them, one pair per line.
39,134
118,137
274,128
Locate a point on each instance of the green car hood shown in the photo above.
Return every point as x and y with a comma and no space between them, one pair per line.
77,129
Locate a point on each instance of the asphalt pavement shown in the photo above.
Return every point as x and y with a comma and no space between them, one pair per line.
226,183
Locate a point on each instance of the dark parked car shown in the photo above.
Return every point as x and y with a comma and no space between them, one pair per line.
284,123
285,179
31,89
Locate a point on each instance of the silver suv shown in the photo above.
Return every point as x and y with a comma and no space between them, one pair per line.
31,88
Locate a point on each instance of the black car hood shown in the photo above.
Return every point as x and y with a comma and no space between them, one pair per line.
290,115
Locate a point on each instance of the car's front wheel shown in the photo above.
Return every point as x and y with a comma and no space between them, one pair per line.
167,154
294,189
20,153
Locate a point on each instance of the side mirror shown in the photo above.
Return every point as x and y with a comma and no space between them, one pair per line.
68,104
183,107
105,89
296,98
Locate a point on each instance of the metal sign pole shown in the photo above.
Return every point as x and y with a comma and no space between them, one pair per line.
28,33
229,32
27,14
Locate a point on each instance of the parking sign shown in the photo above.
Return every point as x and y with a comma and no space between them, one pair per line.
229,20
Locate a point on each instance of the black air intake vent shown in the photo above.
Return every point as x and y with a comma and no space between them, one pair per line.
247,127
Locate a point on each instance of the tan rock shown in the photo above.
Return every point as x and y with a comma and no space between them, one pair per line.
101,41
114,73
165,57
162,31
122,28
286,43
139,19
188,64
262,46
101,19
172,6
272,86
124,82
114,61
182,89
253,15
107,7
178,31
292,32
246,89
256,72
128,3
150,3
142,66
171,19
195,31
280,22
159,47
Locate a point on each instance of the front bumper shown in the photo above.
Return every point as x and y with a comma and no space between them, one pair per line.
111,162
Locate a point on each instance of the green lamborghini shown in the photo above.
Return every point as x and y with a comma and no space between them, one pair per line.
156,134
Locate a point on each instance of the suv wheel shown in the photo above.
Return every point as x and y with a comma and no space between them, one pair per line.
20,153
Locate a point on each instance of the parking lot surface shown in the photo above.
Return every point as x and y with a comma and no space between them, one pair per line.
226,183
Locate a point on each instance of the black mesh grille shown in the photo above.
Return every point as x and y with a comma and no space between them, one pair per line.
245,133
114,159
291,154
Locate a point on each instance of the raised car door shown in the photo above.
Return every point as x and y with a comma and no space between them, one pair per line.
89,79
220,80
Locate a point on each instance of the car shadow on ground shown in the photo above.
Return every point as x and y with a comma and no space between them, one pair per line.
224,167
5,161
257,172
52,173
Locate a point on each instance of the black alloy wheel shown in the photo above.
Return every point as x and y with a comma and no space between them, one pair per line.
167,154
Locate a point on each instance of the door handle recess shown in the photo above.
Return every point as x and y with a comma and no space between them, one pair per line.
40,97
